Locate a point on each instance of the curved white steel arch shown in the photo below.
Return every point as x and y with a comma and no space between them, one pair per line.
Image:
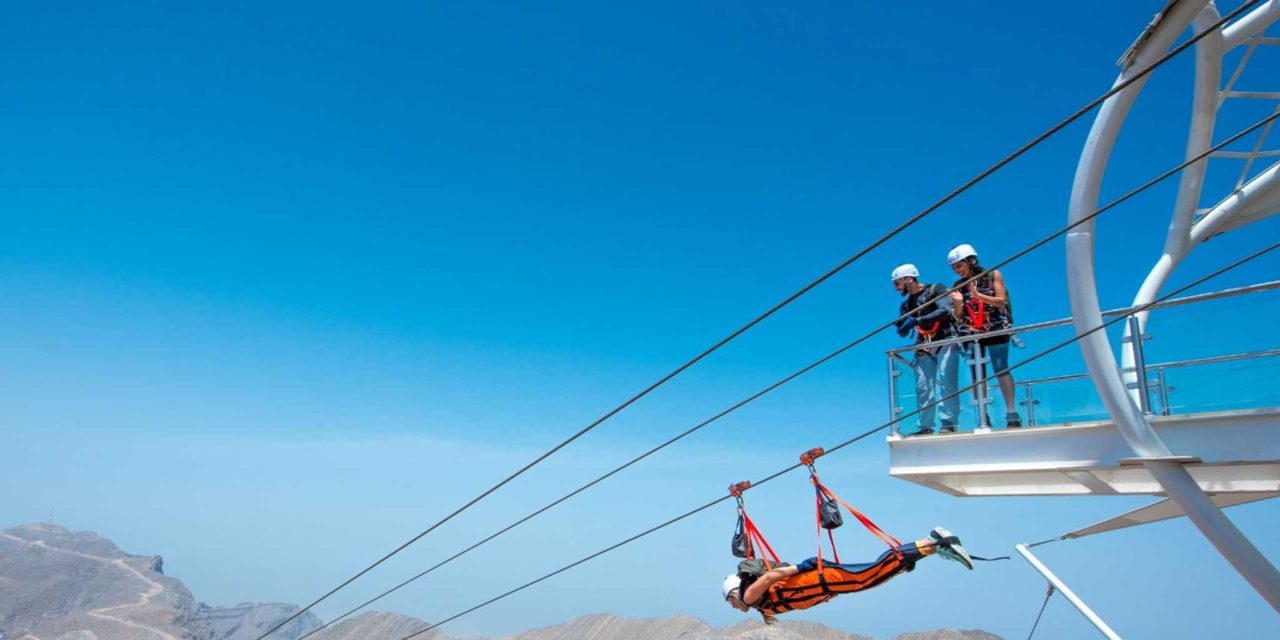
1081,278
1253,201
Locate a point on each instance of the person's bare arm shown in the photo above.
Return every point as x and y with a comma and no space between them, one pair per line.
770,578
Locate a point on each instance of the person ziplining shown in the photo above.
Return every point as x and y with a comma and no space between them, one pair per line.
774,587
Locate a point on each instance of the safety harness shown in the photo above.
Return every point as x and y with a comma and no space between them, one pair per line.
976,309
980,317
927,336
931,293
746,536
809,588
828,514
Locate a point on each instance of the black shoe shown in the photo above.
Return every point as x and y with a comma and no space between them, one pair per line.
948,428
1012,421
923,431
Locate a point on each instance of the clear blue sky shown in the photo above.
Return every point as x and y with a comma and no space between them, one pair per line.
284,284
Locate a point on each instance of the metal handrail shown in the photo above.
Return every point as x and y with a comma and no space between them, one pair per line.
1158,367
1140,369
1248,355
1176,302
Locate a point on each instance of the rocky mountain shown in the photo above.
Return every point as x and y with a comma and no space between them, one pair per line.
57,584
607,627
949,634
755,629
378,625
249,620
600,627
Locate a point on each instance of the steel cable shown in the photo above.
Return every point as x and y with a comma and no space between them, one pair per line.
1047,594
808,368
786,301
846,443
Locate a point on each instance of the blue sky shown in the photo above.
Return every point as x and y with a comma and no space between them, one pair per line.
283,285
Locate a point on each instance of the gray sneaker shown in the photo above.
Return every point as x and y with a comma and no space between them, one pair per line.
949,547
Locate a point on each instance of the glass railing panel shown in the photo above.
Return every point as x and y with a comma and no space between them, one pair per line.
1062,401
907,401
1210,354
1019,351
1239,383
1212,328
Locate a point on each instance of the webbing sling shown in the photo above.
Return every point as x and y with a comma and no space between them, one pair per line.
807,458
755,539
821,496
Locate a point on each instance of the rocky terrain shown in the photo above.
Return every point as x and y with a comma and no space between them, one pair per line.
607,627
249,620
391,626
57,584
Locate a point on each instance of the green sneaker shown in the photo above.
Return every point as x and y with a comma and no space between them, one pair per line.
949,547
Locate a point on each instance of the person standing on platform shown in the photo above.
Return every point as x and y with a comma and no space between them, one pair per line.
984,306
927,313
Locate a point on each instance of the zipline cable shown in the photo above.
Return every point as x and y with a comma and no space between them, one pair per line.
786,301
803,371
848,442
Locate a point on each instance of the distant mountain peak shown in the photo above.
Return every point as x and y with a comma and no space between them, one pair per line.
77,585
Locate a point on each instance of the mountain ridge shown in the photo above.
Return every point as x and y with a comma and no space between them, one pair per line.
58,584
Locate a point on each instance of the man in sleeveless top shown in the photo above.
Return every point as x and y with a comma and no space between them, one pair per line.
985,306
780,588
926,313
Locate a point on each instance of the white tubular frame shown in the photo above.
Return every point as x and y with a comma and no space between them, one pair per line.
1067,593
1166,468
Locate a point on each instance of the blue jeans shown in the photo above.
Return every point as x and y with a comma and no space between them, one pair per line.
943,362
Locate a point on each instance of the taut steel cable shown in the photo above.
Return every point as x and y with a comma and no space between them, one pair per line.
810,367
786,301
830,450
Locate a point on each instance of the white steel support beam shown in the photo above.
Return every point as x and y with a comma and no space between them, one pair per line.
1087,314
1237,452
1097,622
1255,21
1257,199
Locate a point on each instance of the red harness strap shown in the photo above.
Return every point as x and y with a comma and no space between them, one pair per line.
928,335
754,537
977,312
818,516
823,491
874,528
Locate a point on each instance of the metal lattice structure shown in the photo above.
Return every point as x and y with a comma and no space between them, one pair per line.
1254,198
1201,460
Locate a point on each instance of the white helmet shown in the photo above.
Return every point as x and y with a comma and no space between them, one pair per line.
905,271
731,584
961,252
